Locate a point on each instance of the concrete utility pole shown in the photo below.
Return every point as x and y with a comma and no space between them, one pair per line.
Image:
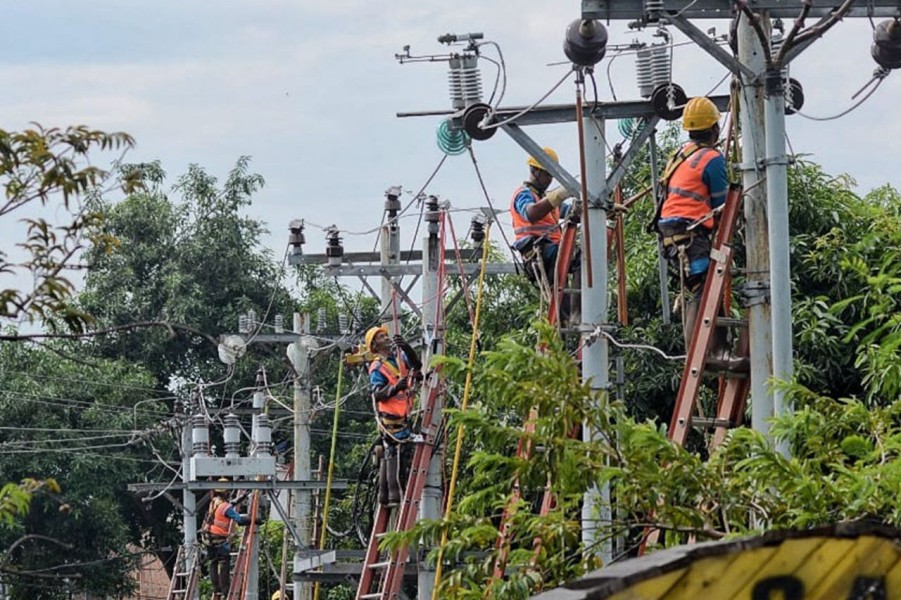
757,239
188,499
595,367
302,497
390,255
433,336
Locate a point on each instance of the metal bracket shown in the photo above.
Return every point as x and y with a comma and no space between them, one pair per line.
756,292
784,159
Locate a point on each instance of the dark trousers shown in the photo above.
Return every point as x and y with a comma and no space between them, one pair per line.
220,567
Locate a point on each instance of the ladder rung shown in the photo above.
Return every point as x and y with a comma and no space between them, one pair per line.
730,322
371,596
709,422
380,565
727,373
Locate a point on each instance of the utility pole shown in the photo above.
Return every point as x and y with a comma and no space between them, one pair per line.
757,239
433,336
188,499
595,367
302,497
390,255
777,211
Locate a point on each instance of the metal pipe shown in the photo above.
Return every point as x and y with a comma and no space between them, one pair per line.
662,267
586,226
302,498
595,370
777,210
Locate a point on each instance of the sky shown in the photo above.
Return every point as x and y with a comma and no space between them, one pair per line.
310,90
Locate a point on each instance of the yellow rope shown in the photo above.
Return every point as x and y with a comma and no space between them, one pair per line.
451,488
331,470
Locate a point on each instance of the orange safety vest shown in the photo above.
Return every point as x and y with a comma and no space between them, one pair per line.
221,525
401,403
547,226
687,196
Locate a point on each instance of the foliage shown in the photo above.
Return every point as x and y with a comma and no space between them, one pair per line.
50,171
92,427
845,465
195,262
15,498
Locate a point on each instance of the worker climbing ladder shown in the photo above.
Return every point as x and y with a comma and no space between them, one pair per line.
184,577
734,388
383,572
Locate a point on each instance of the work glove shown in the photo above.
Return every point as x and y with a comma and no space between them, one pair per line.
259,520
557,195
401,385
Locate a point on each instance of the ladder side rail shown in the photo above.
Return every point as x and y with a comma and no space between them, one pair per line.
731,403
523,451
379,526
561,270
176,573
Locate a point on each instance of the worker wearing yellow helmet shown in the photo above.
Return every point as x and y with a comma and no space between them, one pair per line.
695,183
392,377
536,214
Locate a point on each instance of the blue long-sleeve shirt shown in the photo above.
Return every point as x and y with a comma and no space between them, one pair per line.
377,380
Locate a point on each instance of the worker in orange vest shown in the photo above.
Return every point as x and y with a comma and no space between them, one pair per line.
216,531
536,214
392,376
695,183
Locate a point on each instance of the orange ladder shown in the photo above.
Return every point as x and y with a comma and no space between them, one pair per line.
239,579
385,571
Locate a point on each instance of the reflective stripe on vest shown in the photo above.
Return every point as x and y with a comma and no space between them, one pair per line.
548,225
398,405
221,523
687,196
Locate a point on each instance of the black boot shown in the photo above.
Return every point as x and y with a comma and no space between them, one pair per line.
391,476
720,356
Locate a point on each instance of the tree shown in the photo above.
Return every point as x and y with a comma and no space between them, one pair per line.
195,262
42,171
92,427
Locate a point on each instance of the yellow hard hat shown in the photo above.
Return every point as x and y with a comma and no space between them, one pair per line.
220,490
700,114
370,336
534,162
277,595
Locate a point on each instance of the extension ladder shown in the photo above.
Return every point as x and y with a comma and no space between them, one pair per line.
239,578
734,387
385,571
184,577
